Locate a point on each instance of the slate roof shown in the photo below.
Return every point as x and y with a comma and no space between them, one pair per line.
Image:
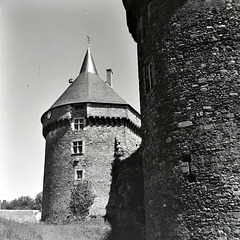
88,87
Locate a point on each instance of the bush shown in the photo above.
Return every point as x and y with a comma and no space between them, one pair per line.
81,199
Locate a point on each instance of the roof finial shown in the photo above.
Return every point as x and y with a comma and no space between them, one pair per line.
88,40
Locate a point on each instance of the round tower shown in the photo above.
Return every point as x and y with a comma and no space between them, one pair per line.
81,130
189,65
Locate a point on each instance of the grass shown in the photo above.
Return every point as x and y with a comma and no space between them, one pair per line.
89,229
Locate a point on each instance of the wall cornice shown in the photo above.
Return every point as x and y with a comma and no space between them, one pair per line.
94,121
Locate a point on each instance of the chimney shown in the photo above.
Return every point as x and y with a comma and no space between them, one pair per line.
109,77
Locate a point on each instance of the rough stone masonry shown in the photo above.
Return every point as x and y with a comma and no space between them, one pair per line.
189,66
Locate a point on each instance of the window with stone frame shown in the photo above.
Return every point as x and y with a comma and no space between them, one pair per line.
148,75
79,174
78,124
77,147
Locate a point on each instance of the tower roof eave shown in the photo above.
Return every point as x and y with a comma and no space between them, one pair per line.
88,87
113,104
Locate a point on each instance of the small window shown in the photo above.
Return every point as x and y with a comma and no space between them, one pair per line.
77,147
78,124
146,82
79,174
149,10
148,77
140,29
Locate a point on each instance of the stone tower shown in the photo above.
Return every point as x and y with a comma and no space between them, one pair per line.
189,66
82,129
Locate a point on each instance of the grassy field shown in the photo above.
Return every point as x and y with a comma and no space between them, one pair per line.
87,230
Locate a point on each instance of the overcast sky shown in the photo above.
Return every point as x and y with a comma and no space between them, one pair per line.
42,46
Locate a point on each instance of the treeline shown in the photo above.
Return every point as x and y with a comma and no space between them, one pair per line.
24,203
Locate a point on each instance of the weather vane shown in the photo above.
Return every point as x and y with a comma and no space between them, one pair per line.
88,40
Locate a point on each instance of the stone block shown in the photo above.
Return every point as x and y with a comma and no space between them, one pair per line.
236,214
185,124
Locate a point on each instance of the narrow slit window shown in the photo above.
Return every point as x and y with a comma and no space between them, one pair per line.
145,76
140,29
149,77
149,10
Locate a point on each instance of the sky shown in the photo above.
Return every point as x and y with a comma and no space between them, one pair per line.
42,46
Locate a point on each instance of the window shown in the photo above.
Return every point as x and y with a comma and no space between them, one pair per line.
77,147
78,123
79,174
149,10
146,82
140,29
148,77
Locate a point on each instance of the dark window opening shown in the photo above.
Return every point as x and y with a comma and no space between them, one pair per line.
79,174
145,76
148,77
191,178
186,157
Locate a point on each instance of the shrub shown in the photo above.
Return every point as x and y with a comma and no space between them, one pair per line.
81,199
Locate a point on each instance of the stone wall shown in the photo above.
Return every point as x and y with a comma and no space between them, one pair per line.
125,209
190,117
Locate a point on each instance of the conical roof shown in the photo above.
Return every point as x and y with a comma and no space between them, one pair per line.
88,63
88,87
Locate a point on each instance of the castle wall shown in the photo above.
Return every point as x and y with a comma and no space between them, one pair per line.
191,113
125,209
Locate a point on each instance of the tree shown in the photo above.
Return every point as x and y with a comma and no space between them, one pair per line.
24,203
38,202
5,204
